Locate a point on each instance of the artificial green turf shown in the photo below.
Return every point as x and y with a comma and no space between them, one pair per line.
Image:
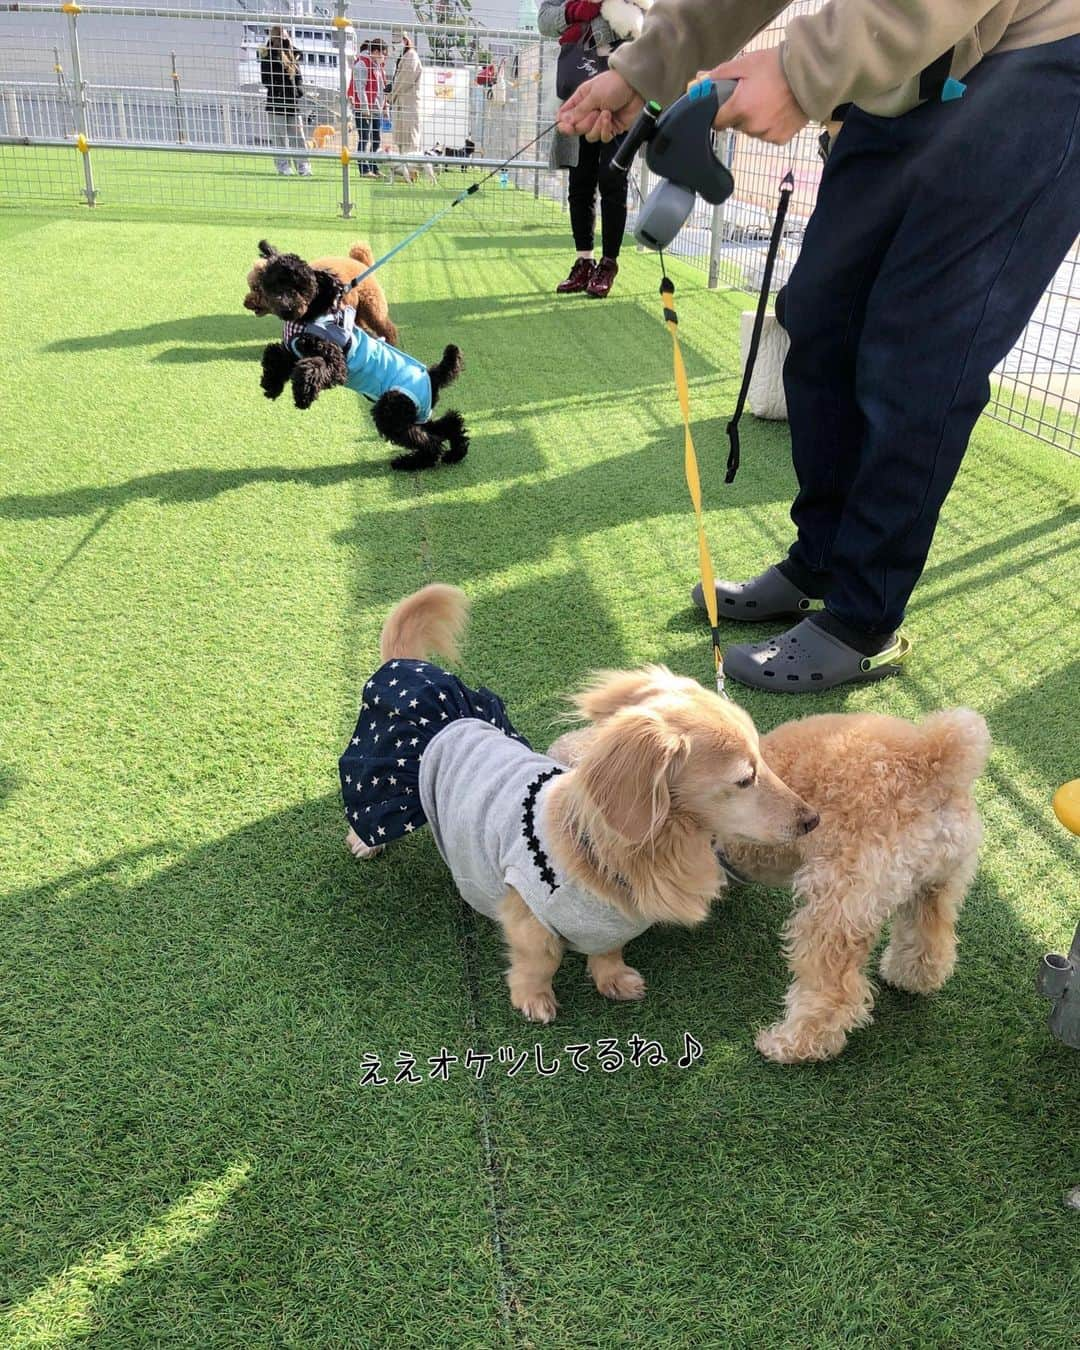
192,968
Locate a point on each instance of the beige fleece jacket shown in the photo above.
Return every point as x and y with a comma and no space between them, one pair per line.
869,52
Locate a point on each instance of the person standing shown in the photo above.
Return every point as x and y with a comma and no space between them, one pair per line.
367,89
405,102
949,199
279,71
589,162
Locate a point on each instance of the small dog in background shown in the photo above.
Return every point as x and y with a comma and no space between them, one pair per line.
463,152
587,857
321,348
898,843
366,297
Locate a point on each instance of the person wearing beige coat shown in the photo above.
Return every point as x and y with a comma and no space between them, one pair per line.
950,197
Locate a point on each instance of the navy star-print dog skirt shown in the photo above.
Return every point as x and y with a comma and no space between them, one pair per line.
406,704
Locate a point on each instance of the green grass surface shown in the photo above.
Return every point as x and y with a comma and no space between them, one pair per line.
192,968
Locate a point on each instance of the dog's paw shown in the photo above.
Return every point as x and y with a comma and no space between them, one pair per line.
359,849
456,452
784,1045
626,985
536,1005
915,974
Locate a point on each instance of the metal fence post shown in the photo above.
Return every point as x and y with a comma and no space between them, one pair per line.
341,23
716,224
177,101
81,143
11,113
539,113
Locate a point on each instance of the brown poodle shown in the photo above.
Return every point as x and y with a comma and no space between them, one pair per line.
898,843
368,299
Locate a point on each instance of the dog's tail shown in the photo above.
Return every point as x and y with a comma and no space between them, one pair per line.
430,622
958,742
361,252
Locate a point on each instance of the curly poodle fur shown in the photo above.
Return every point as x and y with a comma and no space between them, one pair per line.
297,292
897,843
367,298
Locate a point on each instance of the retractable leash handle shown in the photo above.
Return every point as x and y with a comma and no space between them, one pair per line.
680,152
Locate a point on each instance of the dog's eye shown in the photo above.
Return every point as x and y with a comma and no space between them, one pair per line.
748,781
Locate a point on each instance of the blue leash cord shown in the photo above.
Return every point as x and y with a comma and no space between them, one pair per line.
462,196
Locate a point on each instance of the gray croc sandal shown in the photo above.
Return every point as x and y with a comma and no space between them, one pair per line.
768,597
807,659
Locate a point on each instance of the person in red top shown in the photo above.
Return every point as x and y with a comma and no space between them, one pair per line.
367,90
589,162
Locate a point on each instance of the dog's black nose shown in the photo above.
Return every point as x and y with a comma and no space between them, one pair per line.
810,820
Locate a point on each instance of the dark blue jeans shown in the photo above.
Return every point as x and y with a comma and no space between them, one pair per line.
934,237
368,135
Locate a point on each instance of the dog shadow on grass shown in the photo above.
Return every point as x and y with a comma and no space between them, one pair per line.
525,520
213,333
197,1037
178,487
510,454
10,783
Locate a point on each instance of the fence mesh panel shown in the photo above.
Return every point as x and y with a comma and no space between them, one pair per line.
174,116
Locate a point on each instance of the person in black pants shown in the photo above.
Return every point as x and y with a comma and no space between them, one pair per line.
936,232
593,171
589,162
279,70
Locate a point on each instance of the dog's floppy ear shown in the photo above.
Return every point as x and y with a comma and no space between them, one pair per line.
333,285
626,773
268,250
610,690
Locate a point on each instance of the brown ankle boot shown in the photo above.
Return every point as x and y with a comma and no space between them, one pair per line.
603,278
580,275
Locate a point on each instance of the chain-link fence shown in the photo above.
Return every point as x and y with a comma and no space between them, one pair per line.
132,105
136,105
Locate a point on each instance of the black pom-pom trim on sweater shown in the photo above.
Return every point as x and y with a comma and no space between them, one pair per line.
528,824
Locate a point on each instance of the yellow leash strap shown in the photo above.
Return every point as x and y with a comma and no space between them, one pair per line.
693,479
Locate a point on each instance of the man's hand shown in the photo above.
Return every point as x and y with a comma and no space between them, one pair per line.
601,108
762,104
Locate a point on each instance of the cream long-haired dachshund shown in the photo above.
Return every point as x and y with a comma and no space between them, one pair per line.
898,841
586,857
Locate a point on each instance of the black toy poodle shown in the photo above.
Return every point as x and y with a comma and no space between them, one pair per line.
321,347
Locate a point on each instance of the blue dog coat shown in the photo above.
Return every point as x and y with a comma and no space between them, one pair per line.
375,368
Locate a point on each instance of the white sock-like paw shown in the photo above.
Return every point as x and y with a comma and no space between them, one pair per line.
359,849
